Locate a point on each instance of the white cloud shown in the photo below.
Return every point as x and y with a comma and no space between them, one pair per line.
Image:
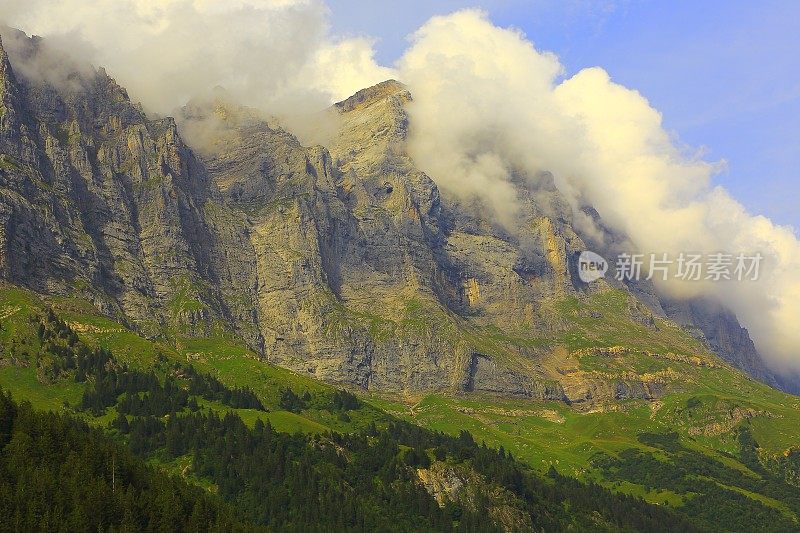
271,54
476,103
488,103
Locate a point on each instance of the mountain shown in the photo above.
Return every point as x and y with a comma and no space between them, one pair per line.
345,263
277,267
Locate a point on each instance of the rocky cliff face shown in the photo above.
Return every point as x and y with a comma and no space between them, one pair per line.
343,262
365,274
98,201
720,330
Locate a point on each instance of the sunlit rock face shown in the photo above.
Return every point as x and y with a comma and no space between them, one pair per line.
344,262
101,202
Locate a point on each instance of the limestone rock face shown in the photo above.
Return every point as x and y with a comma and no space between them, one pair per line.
345,262
363,273
100,202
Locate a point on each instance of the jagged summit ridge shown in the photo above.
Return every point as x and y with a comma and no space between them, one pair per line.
369,95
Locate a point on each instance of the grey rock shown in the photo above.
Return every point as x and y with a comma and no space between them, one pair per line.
343,262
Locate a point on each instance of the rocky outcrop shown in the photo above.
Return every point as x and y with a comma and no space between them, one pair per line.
461,485
720,330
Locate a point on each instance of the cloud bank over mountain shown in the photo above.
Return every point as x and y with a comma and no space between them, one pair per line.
277,55
487,105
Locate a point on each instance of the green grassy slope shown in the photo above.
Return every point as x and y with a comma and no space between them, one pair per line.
706,403
225,358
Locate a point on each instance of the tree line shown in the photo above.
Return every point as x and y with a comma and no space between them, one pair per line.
362,481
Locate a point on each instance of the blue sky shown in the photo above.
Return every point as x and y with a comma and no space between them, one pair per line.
725,74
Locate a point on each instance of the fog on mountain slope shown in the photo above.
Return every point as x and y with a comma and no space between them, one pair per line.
273,54
488,103
487,106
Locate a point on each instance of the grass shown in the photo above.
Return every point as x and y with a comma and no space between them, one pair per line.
702,406
551,433
226,358
186,296
658,497
23,385
181,466
769,502
607,319
292,423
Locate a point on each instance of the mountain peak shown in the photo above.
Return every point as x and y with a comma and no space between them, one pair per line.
367,96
